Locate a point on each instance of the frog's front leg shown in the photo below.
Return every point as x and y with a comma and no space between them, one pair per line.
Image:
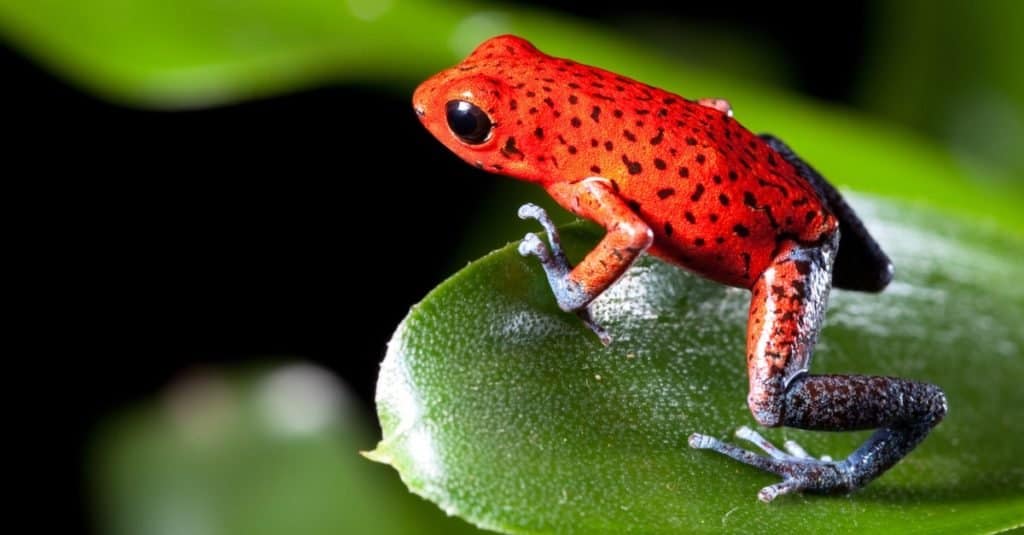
786,312
627,236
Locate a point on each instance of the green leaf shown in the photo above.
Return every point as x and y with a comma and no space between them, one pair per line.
189,53
262,452
507,412
203,52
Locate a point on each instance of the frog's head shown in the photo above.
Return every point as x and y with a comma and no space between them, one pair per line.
476,110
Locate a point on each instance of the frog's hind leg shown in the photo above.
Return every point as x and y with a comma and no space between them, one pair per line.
786,312
860,264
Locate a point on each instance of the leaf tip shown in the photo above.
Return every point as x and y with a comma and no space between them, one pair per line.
378,455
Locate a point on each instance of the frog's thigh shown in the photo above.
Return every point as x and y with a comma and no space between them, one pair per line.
787,308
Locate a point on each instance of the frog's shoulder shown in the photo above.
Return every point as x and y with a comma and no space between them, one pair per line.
860,263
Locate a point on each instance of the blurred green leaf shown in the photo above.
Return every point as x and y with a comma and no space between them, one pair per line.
952,69
257,453
201,52
205,52
509,413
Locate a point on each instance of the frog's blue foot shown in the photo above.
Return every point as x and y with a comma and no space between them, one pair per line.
793,450
903,411
570,296
799,471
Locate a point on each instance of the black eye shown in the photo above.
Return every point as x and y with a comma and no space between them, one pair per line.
468,122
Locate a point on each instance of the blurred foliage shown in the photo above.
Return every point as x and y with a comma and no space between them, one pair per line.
264,452
204,52
502,408
953,70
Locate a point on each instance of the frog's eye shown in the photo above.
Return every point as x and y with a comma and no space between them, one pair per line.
468,122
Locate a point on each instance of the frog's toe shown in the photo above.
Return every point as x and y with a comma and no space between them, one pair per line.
705,442
809,475
756,439
588,320
771,492
532,211
793,450
796,450
797,473
533,246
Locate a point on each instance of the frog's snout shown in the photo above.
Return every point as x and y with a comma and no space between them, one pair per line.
420,99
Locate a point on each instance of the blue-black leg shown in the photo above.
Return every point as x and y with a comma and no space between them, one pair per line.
786,313
904,411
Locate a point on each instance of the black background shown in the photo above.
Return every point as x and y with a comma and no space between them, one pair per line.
163,241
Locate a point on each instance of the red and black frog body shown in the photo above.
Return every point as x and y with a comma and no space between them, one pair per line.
683,180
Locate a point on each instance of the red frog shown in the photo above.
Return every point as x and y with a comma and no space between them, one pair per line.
684,181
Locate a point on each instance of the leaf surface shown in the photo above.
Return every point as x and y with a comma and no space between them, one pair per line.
509,413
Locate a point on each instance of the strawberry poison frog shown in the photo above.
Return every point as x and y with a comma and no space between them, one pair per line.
684,181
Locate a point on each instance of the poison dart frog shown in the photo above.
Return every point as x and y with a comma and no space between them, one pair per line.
684,181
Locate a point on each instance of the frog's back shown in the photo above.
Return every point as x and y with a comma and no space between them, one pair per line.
719,199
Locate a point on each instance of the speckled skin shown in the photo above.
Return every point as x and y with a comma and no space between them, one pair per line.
685,181
715,195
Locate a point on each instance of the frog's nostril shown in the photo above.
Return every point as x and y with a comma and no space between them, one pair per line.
419,111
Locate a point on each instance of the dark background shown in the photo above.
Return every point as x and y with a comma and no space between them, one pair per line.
170,241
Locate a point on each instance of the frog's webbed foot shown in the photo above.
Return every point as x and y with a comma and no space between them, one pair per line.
798,470
793,450
569,295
